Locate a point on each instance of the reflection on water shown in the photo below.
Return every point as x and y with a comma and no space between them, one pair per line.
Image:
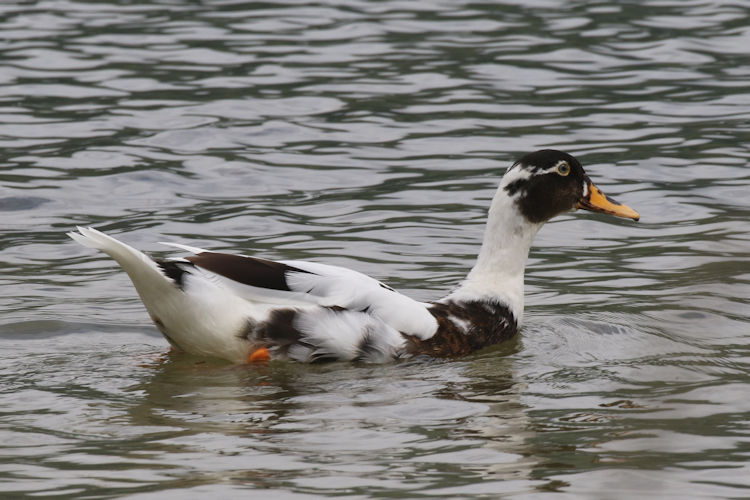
372,135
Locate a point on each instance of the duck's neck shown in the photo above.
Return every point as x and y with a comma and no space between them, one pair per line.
498,273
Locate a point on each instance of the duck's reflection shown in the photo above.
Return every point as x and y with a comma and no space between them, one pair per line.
445,422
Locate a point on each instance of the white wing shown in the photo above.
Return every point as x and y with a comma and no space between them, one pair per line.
298,283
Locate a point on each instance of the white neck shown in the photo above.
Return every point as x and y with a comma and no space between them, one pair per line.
498,273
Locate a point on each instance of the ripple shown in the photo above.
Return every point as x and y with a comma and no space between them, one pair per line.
373,135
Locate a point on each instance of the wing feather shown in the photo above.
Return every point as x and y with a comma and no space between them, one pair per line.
290,283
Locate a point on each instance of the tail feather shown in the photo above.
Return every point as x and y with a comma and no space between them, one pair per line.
143,271
90,237
203,319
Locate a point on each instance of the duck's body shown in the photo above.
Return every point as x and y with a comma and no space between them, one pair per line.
243,308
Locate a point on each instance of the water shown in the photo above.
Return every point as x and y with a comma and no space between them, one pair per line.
372,135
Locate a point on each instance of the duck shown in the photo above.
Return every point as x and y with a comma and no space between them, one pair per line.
246,309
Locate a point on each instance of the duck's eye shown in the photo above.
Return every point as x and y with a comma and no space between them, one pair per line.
563,168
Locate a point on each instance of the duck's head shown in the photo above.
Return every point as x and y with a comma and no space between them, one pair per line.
549,182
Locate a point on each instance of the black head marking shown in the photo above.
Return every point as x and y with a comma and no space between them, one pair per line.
540,191
546,158
513,187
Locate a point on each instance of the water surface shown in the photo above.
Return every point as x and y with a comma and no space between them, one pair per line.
372,135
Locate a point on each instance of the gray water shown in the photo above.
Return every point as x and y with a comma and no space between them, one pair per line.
372,135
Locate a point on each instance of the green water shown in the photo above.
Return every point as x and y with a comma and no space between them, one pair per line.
372,135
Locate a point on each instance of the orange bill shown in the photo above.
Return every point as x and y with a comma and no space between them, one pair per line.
596,201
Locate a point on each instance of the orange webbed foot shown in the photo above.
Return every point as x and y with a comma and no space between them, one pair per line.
259,355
